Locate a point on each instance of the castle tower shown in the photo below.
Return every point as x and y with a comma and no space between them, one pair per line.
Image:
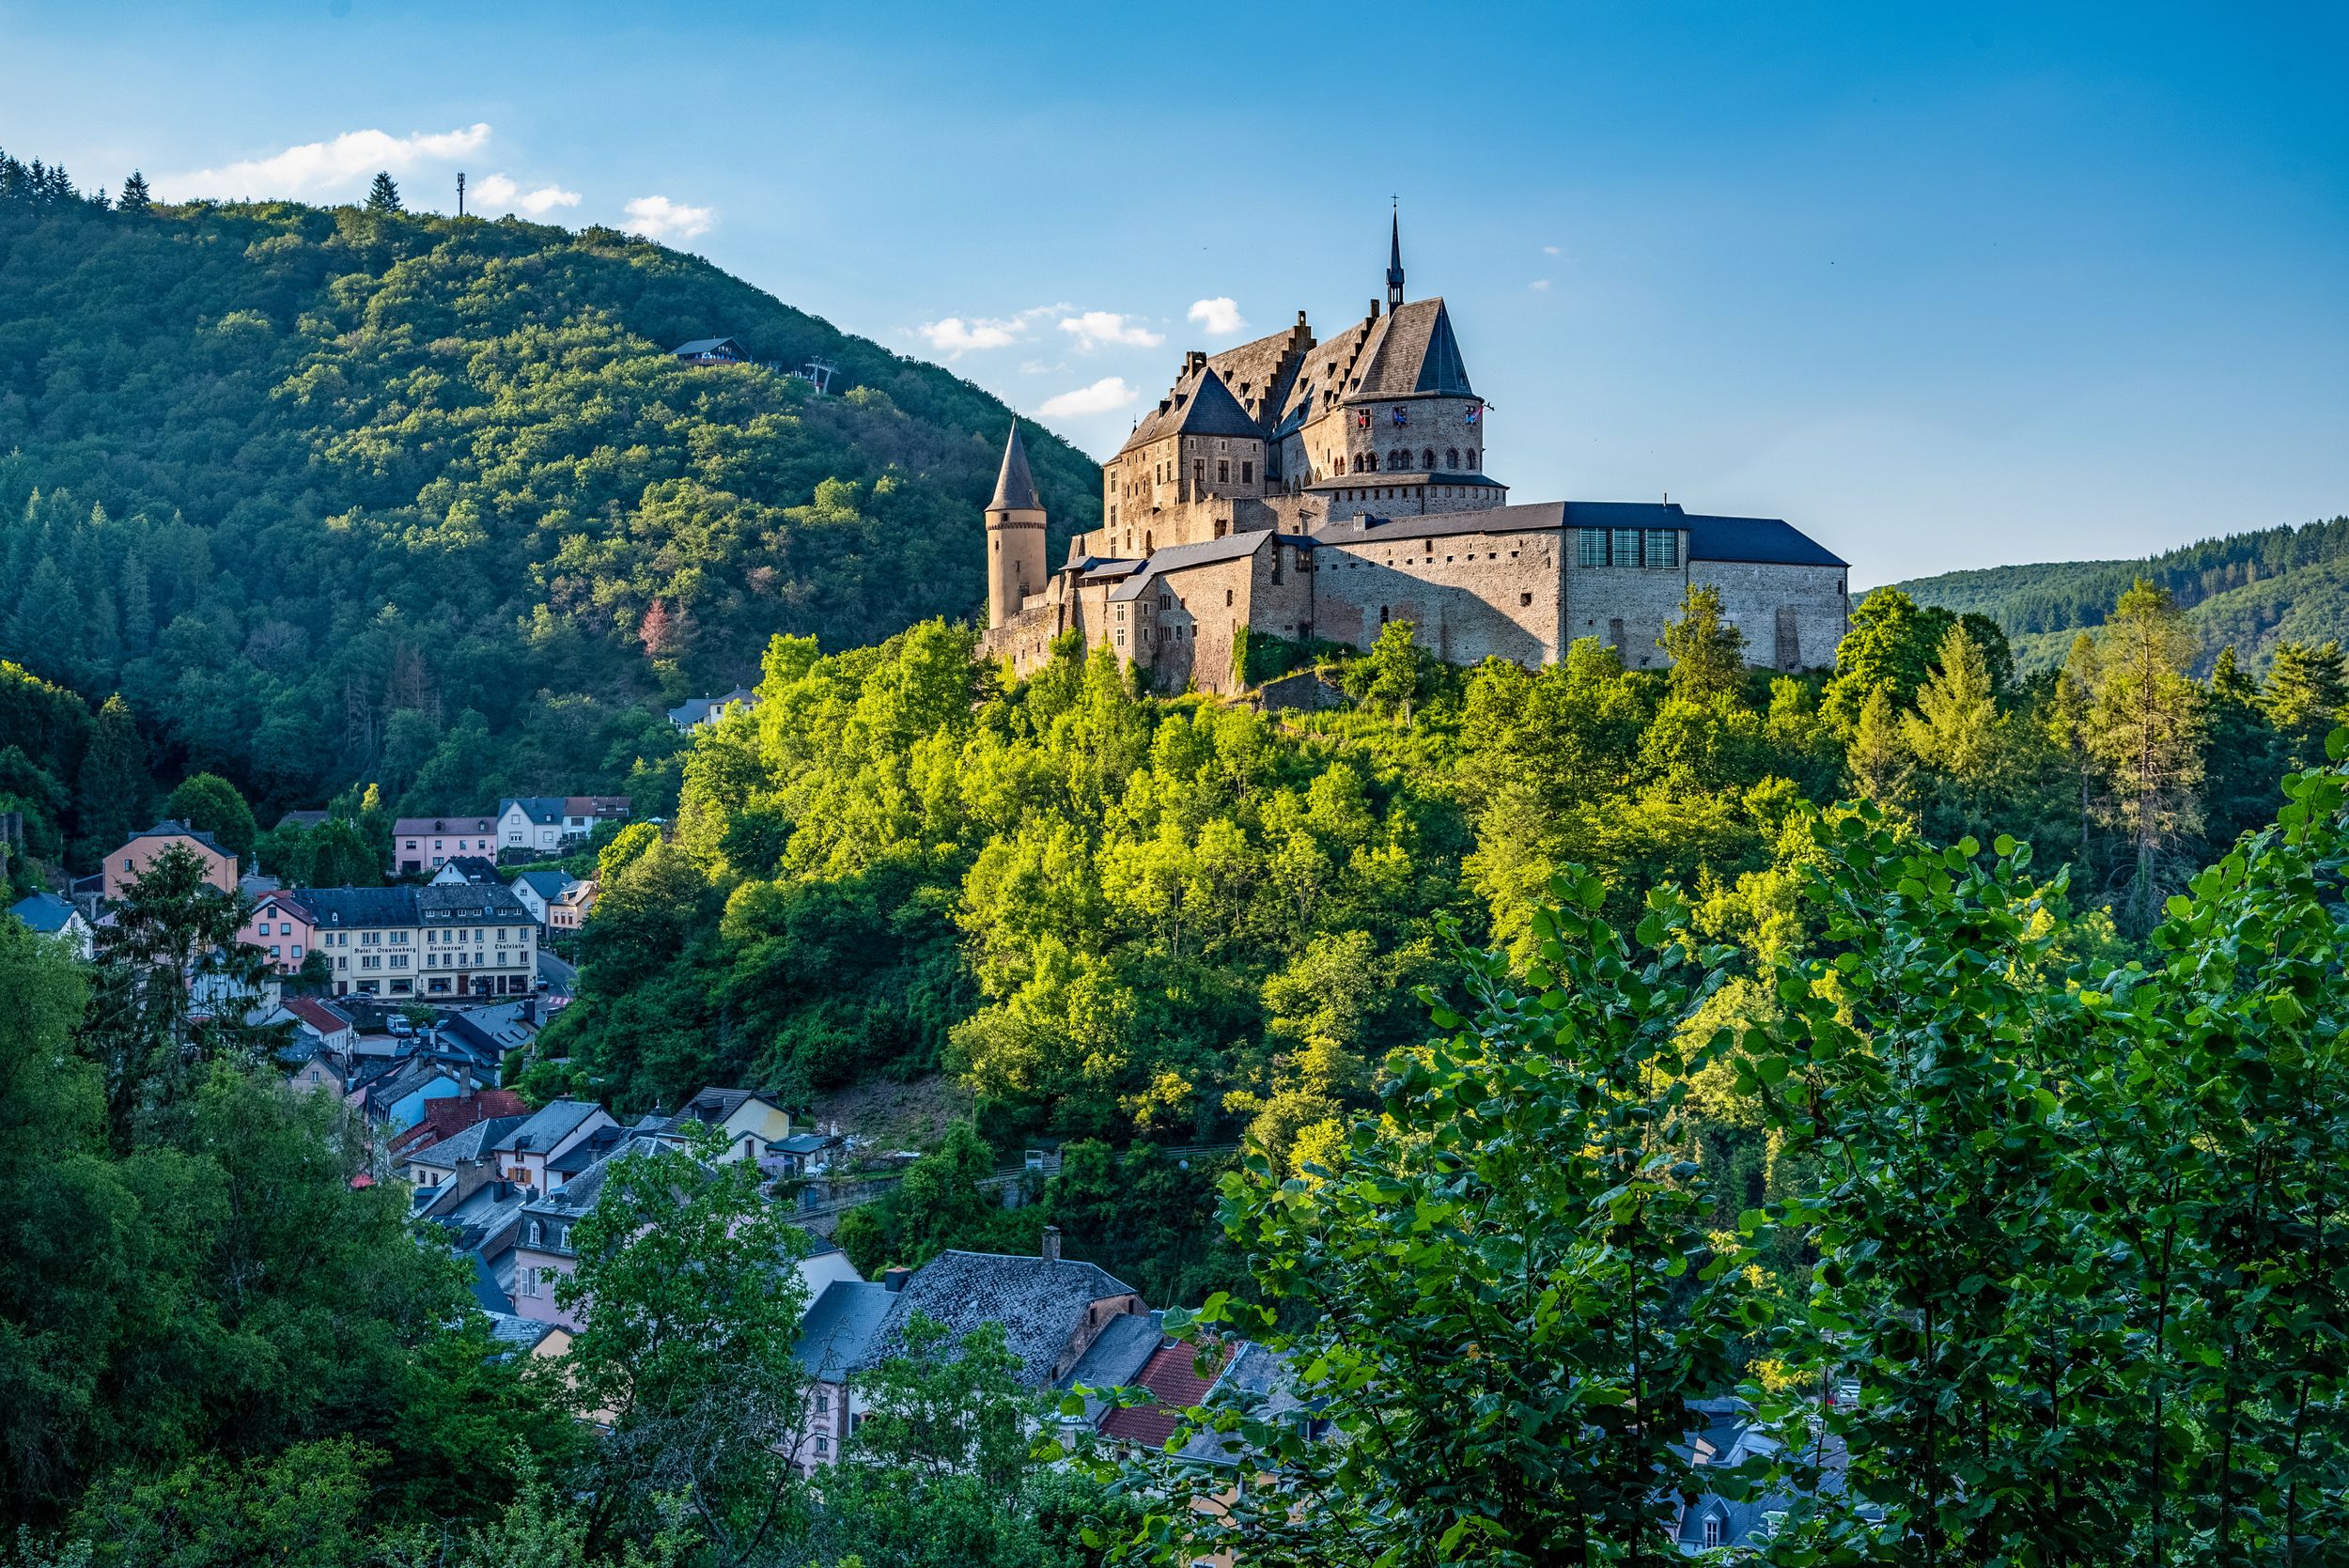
1015,535
1394,263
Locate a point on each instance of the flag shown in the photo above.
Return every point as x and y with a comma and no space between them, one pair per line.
1402,415
1474,410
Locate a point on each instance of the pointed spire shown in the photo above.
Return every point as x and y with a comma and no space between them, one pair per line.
1394,258
1014,487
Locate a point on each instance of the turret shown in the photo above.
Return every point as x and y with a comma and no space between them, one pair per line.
1394,263
1015,535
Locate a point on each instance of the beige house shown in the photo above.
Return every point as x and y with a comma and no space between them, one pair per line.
436,944
750,1122
130,861
569,909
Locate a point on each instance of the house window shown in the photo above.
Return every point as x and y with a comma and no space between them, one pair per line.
1714,1534
823,1446
537,1234
530,1281
823,1404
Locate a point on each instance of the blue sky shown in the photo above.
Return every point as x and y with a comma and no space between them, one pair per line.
1945,285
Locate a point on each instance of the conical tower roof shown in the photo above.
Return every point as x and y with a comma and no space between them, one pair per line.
1014,487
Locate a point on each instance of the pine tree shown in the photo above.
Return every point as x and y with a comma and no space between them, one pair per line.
2146,730
134,194
383,195
1880,764
1708,658
115,787
2066,721
47,625
2306,686
1955,727
135,606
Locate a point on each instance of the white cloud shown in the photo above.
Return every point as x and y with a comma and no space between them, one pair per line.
954,335
1095,328
1110,392
1550,250
317,168
659,218
1539,286
500,191
1220,316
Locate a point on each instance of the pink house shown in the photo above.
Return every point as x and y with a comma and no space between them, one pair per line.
283,928
428,842
128,864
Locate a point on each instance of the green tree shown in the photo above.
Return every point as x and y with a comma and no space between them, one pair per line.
2145,733
2068,720
210,804
382,195
1890,646
134,197
115,789
686,1277
1513,1384
1708,656
1882,768
2307,685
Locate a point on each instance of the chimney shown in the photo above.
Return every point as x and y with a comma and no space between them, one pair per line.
1051,1244
894,1280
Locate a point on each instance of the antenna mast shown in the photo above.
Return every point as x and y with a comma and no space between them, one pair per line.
461,193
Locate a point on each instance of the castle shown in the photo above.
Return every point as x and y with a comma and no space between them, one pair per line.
1310,490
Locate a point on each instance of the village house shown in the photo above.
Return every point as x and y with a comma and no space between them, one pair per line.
701,712
749,1122
435,944
283,928
1052,1310
522,1156
712,350
421,844
570,908
539,889
129,862
461,869
544,824
48,915
433,1161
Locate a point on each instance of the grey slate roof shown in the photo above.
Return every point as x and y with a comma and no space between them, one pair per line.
711,345
1232,547
464,1147
171,828
554,1122
1710,538
1199,405
466,902
495,1029
546,884
344,906
1038,1301
1118,1353
692,710
1014,487
545,810
44,911
521,1334
1412,352
840,1325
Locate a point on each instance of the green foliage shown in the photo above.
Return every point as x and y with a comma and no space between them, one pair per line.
1708,656
382,195
113,787
210,804
331,495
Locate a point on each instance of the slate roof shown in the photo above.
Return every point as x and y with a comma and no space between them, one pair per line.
169,828
557,1120
692,710
1014,486
484,1289
519,1334
840,1326
1232,547
496,1029
426,827
1117,1356
1411,353
317,1015
1038,1301
472,868
467,1144
470,901
346,907
711,345
1710,538
1260,373
546,884
404,1079
44,911
615,807
545,810
1320,380
1199,405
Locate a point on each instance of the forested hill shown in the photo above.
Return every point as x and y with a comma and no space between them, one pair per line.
2246,591
333,495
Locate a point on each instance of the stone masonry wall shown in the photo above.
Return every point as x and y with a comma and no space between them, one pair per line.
1470,596
1811,605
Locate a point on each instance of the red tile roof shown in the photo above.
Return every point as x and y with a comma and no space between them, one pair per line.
317,1015
447,1117
1172,1374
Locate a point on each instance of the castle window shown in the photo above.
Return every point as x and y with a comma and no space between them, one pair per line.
1623,548
1663,548
1382,614
1223,470
1471,460
1247,471
1452,456
1227,598
1427,458
1524,599
1198,472
1372,457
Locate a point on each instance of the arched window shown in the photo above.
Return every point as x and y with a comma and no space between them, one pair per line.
1372,457
1471,460
1428,458
1452,456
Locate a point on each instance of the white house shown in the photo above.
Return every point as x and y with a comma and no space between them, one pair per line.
52,916
539,891
545,823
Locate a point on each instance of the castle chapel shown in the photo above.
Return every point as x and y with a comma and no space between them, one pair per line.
1305,489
